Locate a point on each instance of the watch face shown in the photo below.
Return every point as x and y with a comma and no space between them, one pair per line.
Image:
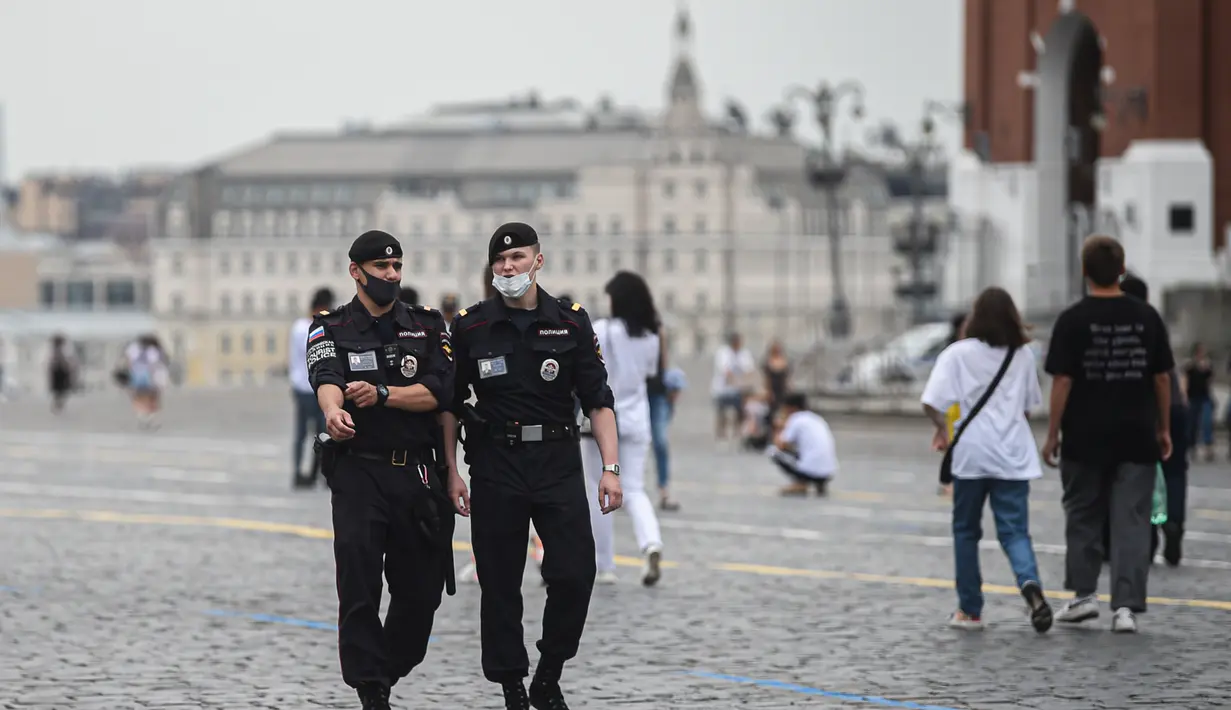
383,390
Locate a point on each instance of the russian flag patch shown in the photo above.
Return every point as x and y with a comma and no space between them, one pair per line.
317,334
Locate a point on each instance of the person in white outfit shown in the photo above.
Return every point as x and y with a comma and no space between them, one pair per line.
804,448
630,346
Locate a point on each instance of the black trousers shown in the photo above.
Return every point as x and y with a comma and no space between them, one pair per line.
375,532
509,487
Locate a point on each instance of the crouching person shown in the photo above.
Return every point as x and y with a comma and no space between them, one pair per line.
804,448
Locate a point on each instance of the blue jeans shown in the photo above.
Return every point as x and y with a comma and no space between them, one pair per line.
1201,412
1011,509
660,416
307,413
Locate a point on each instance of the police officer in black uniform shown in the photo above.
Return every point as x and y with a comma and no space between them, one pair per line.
381,370
525,353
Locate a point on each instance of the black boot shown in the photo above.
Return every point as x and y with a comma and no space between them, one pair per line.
545,691
1172,551
515,696
374,696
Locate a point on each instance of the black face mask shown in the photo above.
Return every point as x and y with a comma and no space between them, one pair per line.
381,292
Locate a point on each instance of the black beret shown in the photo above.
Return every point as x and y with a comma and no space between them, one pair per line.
374,244
510,235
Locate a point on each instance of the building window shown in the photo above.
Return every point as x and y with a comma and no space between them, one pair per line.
669,300
669,225
591,262
224,376
177,265
669,260
177,303
568,262
416,227
271,303
446,262
700,186
1181,218
416,262
701,301
446,228
615,261
271,343
121,294
224,304
569,227
314,263
245,263
668,189
47,293
592,226
80,294
247,343
615,227
292,302
292,262
271,262
544,228
701,261
224,344
224,264
699,225
248,304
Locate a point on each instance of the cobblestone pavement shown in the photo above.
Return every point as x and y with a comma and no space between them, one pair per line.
176,569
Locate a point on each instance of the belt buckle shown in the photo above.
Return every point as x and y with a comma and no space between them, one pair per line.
533,432
394,458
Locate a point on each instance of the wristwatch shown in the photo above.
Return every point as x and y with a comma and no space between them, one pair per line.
612,468
382,394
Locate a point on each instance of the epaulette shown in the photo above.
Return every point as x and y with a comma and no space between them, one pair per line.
423,309
575,307
332,312
473,307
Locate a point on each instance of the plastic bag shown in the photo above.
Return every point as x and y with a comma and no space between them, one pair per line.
1158,512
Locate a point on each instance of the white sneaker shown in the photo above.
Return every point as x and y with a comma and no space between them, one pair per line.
651,572
1076,611
961,620
606,577
1124,622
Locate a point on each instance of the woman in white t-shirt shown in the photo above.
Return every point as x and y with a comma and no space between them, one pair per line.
996,456
148,375
630,346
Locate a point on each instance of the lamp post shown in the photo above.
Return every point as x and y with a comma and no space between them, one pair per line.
825,172
919,241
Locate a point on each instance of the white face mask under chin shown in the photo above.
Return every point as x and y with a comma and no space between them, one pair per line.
513,286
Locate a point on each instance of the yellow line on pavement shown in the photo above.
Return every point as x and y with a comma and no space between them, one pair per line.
309,531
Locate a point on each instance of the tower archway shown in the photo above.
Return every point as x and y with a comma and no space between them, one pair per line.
1066,153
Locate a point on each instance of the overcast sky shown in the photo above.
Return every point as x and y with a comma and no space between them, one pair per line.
110,84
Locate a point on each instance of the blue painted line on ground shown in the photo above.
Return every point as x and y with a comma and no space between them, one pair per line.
284,620
806,690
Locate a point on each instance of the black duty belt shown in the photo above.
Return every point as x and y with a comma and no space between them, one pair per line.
395,457
514,433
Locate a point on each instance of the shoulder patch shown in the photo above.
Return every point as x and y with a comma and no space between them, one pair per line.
462,312
576,307
323,313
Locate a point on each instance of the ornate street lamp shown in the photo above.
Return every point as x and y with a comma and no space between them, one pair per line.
826,173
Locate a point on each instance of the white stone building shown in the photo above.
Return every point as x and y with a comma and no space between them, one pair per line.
721,221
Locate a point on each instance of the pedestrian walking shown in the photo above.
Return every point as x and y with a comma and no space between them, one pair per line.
629,341
1109,426
61,373
308,414
525,354
991,457
380,369
662,399
1175,468
1198,388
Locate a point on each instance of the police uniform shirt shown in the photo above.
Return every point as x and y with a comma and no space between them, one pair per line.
406,346
528,372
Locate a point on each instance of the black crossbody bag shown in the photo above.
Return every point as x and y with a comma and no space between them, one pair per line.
946,464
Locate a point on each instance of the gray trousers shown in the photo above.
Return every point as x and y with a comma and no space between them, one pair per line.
1124,491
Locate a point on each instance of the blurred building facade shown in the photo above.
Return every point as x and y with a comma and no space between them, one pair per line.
720,220
1089,116
95,294
90,207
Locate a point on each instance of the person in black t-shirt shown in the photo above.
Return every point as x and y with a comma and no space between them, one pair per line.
1110,359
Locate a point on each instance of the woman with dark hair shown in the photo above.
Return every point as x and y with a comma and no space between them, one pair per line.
60,371
630,346
995,457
